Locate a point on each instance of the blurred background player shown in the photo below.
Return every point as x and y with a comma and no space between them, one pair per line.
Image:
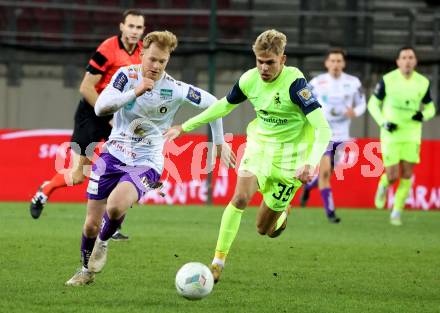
399,105
342,99
284,142
132,160
90,129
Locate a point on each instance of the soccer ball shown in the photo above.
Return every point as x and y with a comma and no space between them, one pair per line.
194,281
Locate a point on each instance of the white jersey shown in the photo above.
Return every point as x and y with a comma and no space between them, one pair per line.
139,124
336,95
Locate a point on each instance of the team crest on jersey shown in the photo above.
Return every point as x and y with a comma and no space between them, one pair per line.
120,81
163,109
166,94
277,100
306,96
194,95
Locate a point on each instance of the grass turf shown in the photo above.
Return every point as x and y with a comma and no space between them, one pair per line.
362,265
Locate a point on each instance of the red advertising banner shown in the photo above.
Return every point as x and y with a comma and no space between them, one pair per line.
32,156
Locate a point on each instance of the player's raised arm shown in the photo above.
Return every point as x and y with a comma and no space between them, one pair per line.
116,94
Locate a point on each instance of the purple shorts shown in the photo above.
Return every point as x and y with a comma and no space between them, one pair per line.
108,171
331,150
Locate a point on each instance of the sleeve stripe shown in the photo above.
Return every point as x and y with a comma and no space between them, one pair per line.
236,96
427,98
93,70
99,58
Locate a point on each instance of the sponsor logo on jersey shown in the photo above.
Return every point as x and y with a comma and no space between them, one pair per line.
132,73
306,96
264,115
166,94
194,95
120,81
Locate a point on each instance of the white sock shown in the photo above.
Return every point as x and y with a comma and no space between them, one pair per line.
218,261
395,214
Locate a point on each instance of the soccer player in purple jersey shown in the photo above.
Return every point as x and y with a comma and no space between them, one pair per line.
342,99
144,100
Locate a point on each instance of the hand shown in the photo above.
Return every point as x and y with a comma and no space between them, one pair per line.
146,84
389,126
226,155
350,113
418,116
157,187
305,174
173,133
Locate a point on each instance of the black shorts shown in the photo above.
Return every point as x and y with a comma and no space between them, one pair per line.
89,129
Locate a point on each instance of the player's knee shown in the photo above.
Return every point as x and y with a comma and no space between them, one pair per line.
91,228
325,175
240,200
115,208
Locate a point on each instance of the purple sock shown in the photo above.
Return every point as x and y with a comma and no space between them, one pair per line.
313,183
109,226
86,249
327,197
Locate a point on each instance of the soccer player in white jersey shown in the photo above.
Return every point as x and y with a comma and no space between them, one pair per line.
144,100
342,99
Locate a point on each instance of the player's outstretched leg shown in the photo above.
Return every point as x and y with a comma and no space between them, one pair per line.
44,191
76,176
228,230
381,192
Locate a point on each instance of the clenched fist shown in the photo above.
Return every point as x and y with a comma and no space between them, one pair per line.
146,84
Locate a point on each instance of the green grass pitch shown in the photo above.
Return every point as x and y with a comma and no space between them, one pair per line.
362,265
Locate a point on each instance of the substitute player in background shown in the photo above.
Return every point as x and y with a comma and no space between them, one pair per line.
145,100
342,100
284,143
90,129
401,102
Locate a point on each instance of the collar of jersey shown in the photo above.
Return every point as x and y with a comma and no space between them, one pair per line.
121,45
